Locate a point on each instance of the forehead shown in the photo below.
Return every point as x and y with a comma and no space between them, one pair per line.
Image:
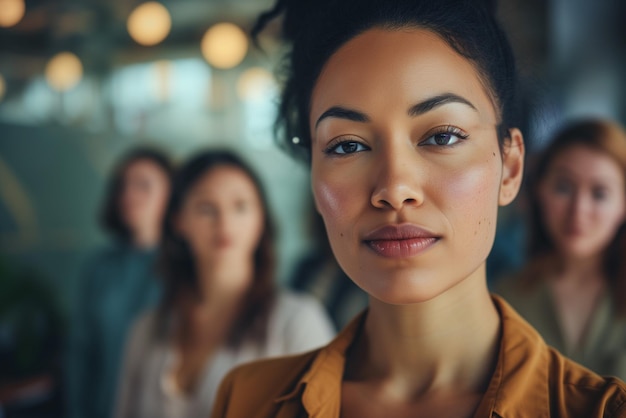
224,180
397,68
142,166
586,162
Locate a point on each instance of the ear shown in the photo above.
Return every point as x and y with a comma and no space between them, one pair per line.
512,167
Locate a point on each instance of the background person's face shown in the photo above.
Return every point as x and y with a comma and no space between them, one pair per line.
379,164
144,195
582,201
222,217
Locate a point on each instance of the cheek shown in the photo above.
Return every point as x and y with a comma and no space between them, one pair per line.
472,199
335,201
613,215
328,198
250,228
339,204
553,207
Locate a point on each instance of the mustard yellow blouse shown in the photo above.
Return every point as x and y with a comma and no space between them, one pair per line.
530,380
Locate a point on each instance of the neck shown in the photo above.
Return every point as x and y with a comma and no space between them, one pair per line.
223,282
222,289
581,269
146,237
447,343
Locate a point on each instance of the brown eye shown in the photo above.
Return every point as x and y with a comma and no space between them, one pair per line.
443,139
345,148
450,136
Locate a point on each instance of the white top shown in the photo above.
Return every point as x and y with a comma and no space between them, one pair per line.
296,323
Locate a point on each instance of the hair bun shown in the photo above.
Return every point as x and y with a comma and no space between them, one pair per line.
295,14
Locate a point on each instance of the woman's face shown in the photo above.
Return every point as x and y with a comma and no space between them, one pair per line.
406,168
145,191
222,216
582,200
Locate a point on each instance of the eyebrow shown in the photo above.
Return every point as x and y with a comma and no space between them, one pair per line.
415,110
343,113
436,101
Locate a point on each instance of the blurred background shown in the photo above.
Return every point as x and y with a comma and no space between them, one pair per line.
82,81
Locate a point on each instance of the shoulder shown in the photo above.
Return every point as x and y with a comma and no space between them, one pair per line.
143,330
252,389
107,252
585,392
300,322
288,300
276,370
101,259
290,306
535,378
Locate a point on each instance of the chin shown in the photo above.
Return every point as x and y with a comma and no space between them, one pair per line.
406,291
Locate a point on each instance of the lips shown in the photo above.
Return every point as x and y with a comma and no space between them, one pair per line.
400,241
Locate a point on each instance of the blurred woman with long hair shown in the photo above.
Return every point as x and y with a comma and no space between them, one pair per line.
119,281
221,306
573,289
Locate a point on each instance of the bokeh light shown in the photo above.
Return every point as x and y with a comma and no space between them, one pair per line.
64,71
256,84
149,23
224,45
11,12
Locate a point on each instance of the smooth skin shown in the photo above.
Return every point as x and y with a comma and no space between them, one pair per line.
583,203
222,221
142,202
403,132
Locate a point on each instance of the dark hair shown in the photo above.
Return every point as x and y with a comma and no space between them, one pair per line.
110,216
317,29
599,135
176,261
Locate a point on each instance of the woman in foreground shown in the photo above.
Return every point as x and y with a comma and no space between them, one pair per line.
573,289
405,109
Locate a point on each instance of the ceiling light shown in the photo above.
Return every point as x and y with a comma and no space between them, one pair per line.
149,23
11,12
64,71
224,45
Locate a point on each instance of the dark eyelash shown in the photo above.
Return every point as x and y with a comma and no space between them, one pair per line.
448,129
335,143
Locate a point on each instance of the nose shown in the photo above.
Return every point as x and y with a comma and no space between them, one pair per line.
398,180
579,206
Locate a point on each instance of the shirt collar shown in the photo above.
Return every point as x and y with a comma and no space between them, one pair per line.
519,382
320,385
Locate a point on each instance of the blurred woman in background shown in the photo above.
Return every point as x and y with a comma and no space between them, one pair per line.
573,289
119,281
221,307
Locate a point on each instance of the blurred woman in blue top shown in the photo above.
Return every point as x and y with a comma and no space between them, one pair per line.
119,281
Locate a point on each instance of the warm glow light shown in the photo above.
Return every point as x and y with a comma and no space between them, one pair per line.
149,23
224,45
11,12
3,87
64,71
255,84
